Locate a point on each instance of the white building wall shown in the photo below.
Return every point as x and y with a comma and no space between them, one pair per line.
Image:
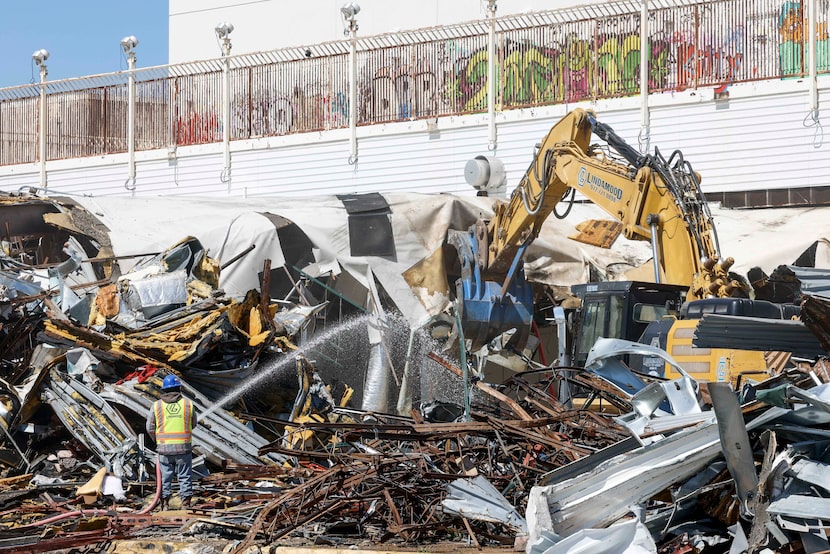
270,24
760,138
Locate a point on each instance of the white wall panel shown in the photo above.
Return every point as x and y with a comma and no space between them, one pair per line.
199,175
102,180
745,143
14,182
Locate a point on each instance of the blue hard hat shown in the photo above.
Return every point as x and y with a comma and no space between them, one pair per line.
171,382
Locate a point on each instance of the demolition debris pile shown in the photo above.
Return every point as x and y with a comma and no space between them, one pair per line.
551,459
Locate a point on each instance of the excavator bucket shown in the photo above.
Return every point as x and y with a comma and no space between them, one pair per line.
484,309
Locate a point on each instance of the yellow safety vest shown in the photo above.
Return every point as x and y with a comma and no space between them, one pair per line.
173,421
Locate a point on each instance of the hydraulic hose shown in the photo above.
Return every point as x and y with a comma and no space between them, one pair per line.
98,511
157,496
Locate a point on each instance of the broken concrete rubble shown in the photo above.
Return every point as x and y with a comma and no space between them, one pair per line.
560,458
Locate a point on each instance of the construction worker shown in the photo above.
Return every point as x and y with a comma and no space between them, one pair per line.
170,422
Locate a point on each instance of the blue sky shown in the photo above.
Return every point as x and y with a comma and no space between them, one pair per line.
82,36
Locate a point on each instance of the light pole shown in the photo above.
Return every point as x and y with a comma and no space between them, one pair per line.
40,57
350,11
491,76
645,54
128,45
812,29
223,33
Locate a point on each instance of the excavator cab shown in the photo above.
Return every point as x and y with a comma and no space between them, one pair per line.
621,310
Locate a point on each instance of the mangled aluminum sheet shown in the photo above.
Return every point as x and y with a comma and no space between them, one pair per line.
605,493
95,415
96,424
477,498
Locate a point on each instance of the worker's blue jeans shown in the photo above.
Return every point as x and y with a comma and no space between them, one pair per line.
180,464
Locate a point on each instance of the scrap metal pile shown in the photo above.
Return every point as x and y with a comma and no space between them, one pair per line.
557,459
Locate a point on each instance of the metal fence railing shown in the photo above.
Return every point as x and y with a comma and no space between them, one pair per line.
543,58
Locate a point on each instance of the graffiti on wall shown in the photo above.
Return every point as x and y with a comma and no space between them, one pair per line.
565,66
711,62
793,45
400,91
705,44
198,128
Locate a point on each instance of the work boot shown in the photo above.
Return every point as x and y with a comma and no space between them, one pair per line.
164,504
186,502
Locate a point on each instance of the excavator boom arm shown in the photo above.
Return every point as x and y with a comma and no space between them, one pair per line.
655,199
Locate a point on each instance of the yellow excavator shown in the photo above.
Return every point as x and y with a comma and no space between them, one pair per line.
652,198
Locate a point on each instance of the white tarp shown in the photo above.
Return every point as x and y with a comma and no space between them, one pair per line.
419,222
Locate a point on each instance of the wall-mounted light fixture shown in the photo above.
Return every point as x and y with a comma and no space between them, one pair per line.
40,57
223,33
128,44
349,12
224,29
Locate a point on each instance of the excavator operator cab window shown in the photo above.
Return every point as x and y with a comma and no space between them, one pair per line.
646,313
593,323
601,317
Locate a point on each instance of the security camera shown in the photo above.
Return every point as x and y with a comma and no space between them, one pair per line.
128,43
40,56
350,10
223,30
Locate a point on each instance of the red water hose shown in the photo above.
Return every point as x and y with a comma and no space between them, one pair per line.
100,512
155,500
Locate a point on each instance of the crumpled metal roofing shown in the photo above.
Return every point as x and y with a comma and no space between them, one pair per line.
478,499
751,333
815,313
815,281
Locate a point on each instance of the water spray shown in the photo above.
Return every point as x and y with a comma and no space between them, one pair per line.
268,372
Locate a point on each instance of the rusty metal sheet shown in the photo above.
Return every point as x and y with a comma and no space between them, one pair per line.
598,232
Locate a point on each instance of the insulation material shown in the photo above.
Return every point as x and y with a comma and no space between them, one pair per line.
376,392
156,294
91,490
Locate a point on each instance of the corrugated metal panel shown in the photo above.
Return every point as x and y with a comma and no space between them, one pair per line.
408,162
13,183
745,144
195,175
815,281
314,168
105,180
199,175
750,333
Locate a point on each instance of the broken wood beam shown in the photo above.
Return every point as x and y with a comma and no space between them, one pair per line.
517,409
